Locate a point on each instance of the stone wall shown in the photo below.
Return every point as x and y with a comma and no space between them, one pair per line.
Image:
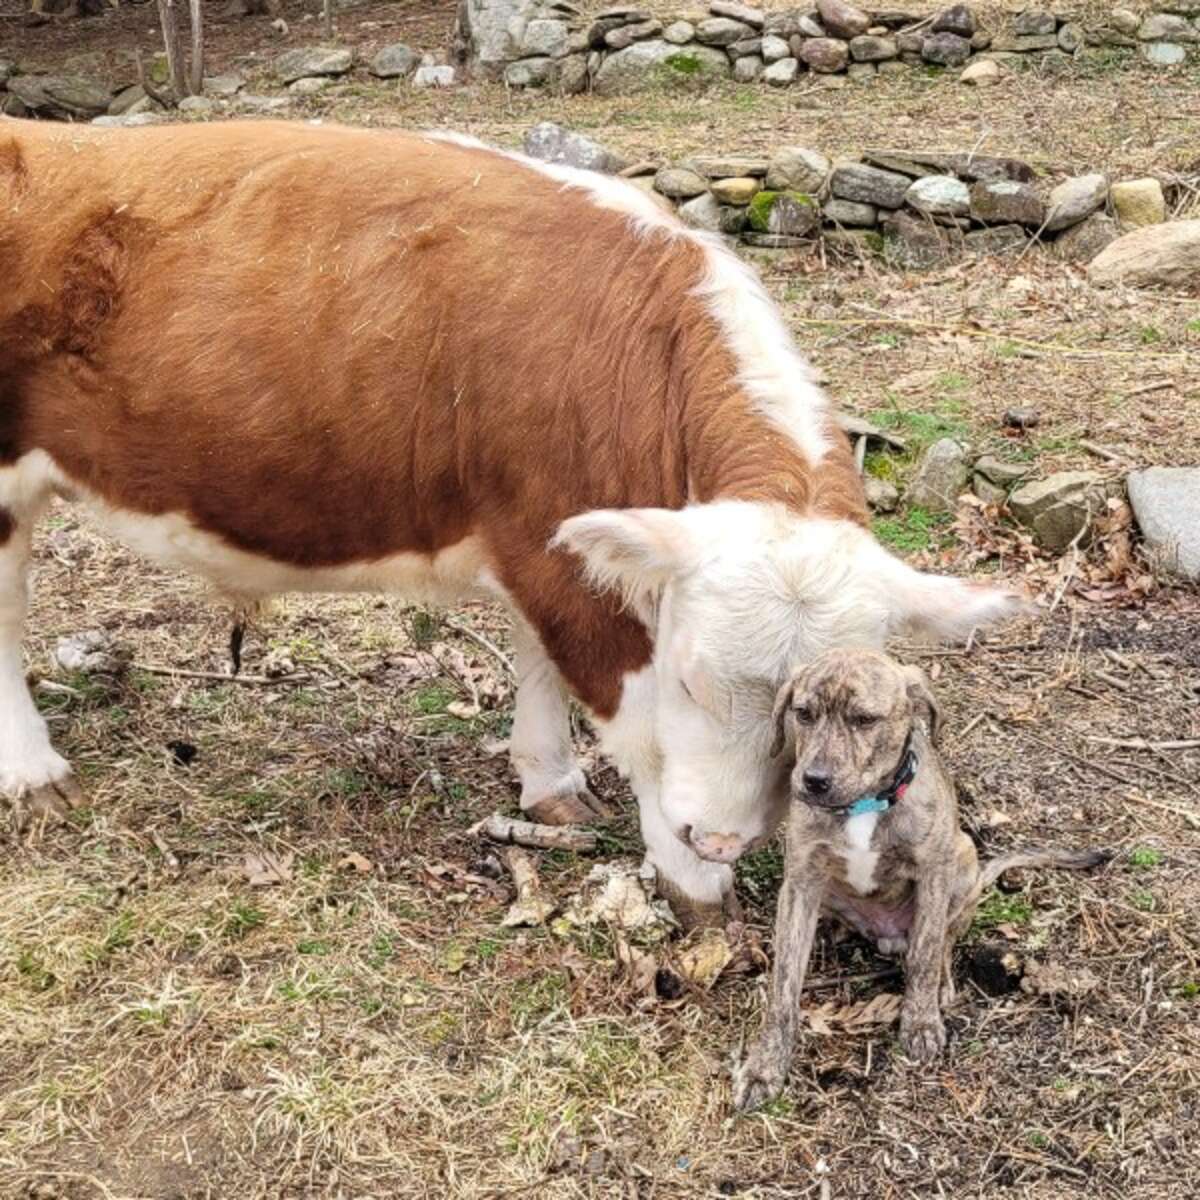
621,49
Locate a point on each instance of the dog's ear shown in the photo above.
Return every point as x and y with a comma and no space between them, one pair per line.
921,696
783,701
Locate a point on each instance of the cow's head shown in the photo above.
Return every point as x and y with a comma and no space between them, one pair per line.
736,595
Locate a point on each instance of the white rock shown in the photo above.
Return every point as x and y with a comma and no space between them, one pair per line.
939,195
1166,503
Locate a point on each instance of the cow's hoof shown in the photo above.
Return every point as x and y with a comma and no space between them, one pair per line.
48,805
700,914
574,808
757,1080
922,1038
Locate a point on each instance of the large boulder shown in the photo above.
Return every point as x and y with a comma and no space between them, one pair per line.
1166,503
653,63
63,96
490,33
553,144
1166,255
869,185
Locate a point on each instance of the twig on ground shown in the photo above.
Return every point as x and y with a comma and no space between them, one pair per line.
253,680
480,640
816,982
530,907
514,832
1143,744
160,844
1101,451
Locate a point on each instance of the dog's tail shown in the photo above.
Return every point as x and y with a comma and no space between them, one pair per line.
1069,860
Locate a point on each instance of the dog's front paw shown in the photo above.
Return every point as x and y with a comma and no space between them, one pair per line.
757,1079
922,1036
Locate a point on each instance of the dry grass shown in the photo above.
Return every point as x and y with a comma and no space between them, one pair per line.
169,1031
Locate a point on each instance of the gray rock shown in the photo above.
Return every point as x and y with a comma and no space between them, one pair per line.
784,23
910,42
1075,199
958,19
809,26
797,168
553,143
199,105
8,69
1166,503
92,651
1059,509
702,212
1003,474
60,95
721,31
679,33
129,120
941,477
679,183
826,55
1081,243
573,76
745,48
748,15
869,185
1021,417
915,242
1070,38
861,71
263,104
1166,255
892,67
223,87
1005,201
945,49
983,72
1124,21
1166,27
841,19
1163,54
310,85
490,31
548,38
726,166
619,39
747,68
1025,43
981,39
733,219
781,73
850,213
396,61
868,49
527,72
774,48
313,60
1034,21
939,195
987,491
438,77
125,99
792,213
881,495
997,239
653,63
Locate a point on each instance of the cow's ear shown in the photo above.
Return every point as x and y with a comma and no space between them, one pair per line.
631,550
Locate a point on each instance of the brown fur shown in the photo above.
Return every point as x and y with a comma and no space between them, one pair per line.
927,880
328,346
7,525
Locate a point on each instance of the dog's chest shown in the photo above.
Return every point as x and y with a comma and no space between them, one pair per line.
858,858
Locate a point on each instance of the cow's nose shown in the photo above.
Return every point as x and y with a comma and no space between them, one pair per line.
818,780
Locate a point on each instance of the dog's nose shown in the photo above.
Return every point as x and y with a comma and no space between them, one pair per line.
818,781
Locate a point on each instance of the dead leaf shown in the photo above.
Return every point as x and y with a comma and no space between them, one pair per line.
531,906
355,862
462,710
639,967
264,869
703,955
881,1010
619,894
1059,982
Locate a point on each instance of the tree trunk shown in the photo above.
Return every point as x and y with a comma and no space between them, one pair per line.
196,77
168,15
329,19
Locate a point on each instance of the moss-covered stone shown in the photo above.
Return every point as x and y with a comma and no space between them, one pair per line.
782,212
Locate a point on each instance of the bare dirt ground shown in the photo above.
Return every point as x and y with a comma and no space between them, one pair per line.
168,1029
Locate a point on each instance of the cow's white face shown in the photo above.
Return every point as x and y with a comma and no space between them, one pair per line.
738,594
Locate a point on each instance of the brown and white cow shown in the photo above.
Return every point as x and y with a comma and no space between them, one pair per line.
322,359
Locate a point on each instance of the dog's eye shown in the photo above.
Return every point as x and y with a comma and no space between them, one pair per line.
864,720
805,715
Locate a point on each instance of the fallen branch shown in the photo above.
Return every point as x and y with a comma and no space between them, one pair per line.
531,906
1143,744
514,832
1101,451
815,983
479,639
254,680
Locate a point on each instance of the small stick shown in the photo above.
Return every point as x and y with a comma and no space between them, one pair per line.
1159,386
1101,451
256,680
480,640
1111,680
817,982
1143,744
161,846
970,725
514,832
530,907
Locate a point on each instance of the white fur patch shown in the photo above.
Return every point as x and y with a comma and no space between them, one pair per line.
860,859
774,374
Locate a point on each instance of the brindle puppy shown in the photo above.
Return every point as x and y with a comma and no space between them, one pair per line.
873,839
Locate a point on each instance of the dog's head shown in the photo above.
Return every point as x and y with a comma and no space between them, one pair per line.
852,711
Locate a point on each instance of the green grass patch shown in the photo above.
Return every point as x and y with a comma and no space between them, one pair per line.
760,874
33,974
1148,335
921,429
915,529
996,908
535,998
1142,900
1145,857
241,918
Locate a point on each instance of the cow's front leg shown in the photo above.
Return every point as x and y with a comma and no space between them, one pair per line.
699,892
553,788
35,780
762,1073
922,1031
